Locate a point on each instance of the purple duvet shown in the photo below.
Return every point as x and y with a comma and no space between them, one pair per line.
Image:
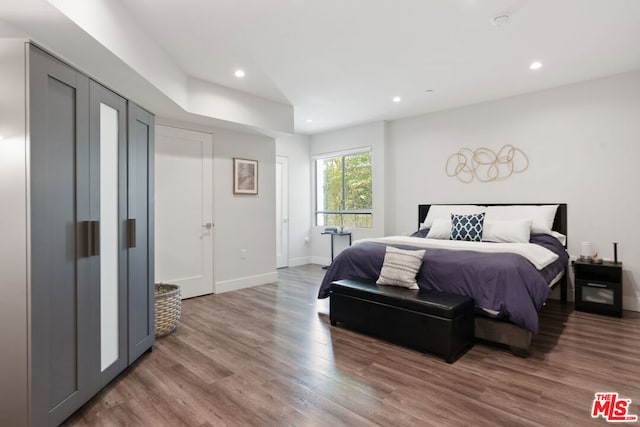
505,283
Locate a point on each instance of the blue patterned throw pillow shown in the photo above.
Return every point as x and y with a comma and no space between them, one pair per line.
467,227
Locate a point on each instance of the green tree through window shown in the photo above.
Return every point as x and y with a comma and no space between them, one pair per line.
343,191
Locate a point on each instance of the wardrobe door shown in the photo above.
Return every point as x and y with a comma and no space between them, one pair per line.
60,249
140,232
108,142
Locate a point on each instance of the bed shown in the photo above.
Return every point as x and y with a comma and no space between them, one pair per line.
508,288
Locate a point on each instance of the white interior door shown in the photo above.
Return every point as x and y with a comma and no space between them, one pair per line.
282,212
184,210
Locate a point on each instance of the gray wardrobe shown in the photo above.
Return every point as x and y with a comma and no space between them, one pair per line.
90,236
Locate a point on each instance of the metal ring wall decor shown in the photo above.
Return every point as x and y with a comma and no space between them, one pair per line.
486,165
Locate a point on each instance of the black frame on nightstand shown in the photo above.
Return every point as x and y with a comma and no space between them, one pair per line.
605,279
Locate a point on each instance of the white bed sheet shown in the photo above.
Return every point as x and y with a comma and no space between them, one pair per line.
537,255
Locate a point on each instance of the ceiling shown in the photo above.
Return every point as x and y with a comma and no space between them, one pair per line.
340,62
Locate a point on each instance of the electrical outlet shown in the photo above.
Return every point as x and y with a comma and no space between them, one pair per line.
243,254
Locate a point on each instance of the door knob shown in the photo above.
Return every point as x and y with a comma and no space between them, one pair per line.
208,226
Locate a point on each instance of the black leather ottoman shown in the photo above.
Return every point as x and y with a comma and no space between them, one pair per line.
431,321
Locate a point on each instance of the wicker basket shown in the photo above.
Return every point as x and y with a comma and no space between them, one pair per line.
167,308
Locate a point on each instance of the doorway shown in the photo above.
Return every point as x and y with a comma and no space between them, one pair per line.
282,212
184,210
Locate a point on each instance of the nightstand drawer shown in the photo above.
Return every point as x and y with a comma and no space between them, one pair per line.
599,297
597,293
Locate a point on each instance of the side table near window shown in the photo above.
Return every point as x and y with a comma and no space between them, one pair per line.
599,287
333,236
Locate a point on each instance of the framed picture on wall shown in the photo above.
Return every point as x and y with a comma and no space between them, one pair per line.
245,176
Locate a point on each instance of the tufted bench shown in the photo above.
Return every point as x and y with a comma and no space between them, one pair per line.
431,321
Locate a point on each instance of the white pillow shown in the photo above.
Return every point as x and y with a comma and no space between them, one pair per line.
400,267
445,211
440,229
507,231
541,215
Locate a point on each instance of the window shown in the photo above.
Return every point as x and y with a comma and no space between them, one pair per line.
343,190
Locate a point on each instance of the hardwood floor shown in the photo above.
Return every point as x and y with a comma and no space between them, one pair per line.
268,356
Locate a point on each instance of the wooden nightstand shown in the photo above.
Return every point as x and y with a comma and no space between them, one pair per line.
599,287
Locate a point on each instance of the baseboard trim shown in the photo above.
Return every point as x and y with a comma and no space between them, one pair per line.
244,282
630,303
295,262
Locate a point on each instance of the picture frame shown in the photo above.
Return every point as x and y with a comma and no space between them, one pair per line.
245,176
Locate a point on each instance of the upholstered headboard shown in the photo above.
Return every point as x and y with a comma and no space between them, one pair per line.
559,222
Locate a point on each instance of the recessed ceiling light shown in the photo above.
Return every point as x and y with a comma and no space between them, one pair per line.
535,65
239,74
396,99
309,120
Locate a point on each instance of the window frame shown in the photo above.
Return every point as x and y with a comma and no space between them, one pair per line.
342,211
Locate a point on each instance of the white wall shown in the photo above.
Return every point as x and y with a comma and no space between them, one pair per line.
296,149
241,221
212,100
13,229
368,135
583,144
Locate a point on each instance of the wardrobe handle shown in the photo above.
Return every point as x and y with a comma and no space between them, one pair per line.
84,241
131,233
94,239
